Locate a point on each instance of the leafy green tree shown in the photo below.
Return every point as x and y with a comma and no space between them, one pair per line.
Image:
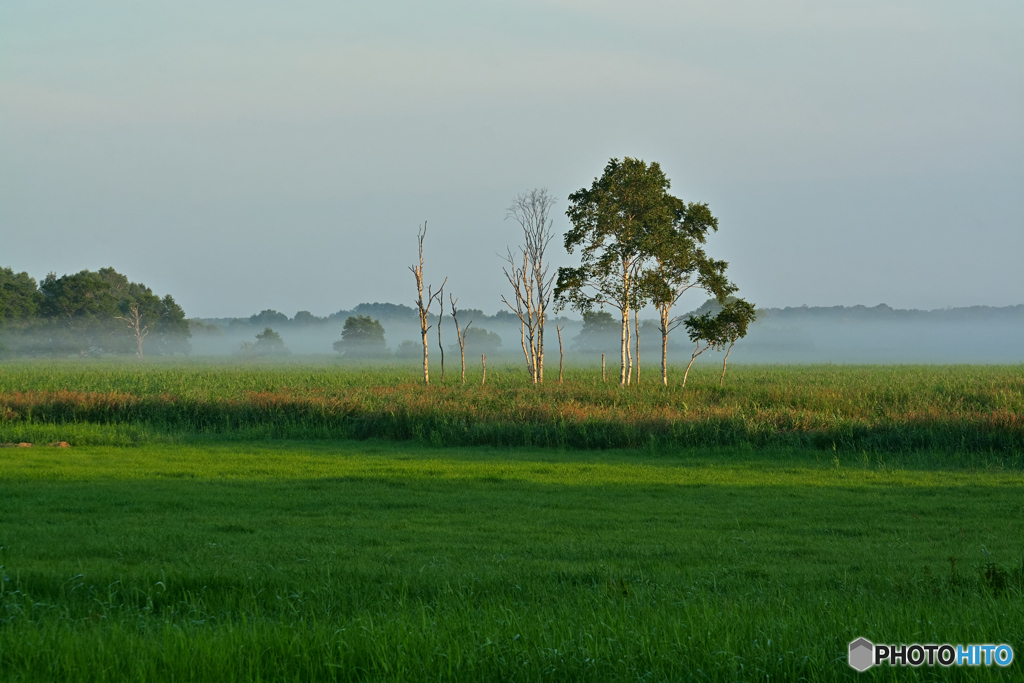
613,224
600,332
269,343
172,329
362,336
735,318
81,309
268,317
20,299
409,349
480,341
719,330
306,318
95,312
679,264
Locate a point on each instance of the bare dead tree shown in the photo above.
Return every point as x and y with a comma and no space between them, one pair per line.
423,308
133,319
461,334
532,283
483,363
440,316
604,376
519,278
561,355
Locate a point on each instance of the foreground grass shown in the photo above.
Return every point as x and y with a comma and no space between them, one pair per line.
973,410
373,561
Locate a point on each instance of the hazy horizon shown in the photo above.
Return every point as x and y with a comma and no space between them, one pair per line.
251,156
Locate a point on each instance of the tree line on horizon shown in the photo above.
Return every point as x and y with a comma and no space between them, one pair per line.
88,313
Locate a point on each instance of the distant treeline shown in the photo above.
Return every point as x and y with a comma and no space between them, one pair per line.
87,313
384,312
102,312
388,312
884,313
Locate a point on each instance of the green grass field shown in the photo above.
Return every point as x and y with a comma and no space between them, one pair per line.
201,552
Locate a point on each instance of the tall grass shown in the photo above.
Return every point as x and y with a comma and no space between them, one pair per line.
965,409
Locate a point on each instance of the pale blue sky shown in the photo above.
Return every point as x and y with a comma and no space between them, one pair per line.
244,155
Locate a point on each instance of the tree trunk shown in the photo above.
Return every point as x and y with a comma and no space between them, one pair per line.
462,353
540,349
623,347
629,349
426,370
636,326
725,361
526,351
483,362
533,352
604,375
696,352
561,356
440,315
664,347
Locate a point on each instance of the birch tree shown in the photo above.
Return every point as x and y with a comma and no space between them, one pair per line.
423,305
613,225
737,317
719,331
679,264
531,282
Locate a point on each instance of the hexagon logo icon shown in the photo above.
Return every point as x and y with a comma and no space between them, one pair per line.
862,654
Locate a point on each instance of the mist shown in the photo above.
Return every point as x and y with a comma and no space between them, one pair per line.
794,335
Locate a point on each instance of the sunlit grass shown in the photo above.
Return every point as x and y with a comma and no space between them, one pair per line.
957,409
379,561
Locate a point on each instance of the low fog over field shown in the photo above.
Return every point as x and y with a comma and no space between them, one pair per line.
851,334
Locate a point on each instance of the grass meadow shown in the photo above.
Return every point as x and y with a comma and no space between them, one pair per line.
304,522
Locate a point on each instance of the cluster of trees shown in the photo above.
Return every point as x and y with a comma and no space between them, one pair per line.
384,312
364,337
268,343
88,313
639,245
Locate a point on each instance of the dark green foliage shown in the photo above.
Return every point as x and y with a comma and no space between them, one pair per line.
600,333
362,337
84,313
480,341
198,326
613,222
269,343
20,299
387,311
267,318
723,328
305,318
409,350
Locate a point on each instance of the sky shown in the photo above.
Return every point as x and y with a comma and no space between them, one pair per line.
252,155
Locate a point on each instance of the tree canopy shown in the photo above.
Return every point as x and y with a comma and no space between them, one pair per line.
361,336
85,313
638,244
